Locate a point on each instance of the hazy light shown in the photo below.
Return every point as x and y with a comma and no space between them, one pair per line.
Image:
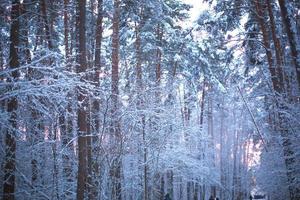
198,7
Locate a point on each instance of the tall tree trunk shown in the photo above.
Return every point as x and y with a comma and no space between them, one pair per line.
235,149
159,35
186,115
94,149
2,102
157,178
65,119
202,103
82,99
115,126
201,119
260,9
97,64
66,29
278,49
55,173
89,150
12,106
140,103
210,130
98,38
66,136
26,17
290,28
222,159
278,88
67,115
46,23
96,105
39,30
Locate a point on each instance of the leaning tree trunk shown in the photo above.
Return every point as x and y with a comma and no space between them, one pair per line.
12,106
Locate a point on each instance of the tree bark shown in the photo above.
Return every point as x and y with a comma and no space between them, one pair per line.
66,29
278,88
277,45
210,131
291,32
82,99
159,35
12,107
260,9
202,103
46,23
140,103
115,126
222,146
98,38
